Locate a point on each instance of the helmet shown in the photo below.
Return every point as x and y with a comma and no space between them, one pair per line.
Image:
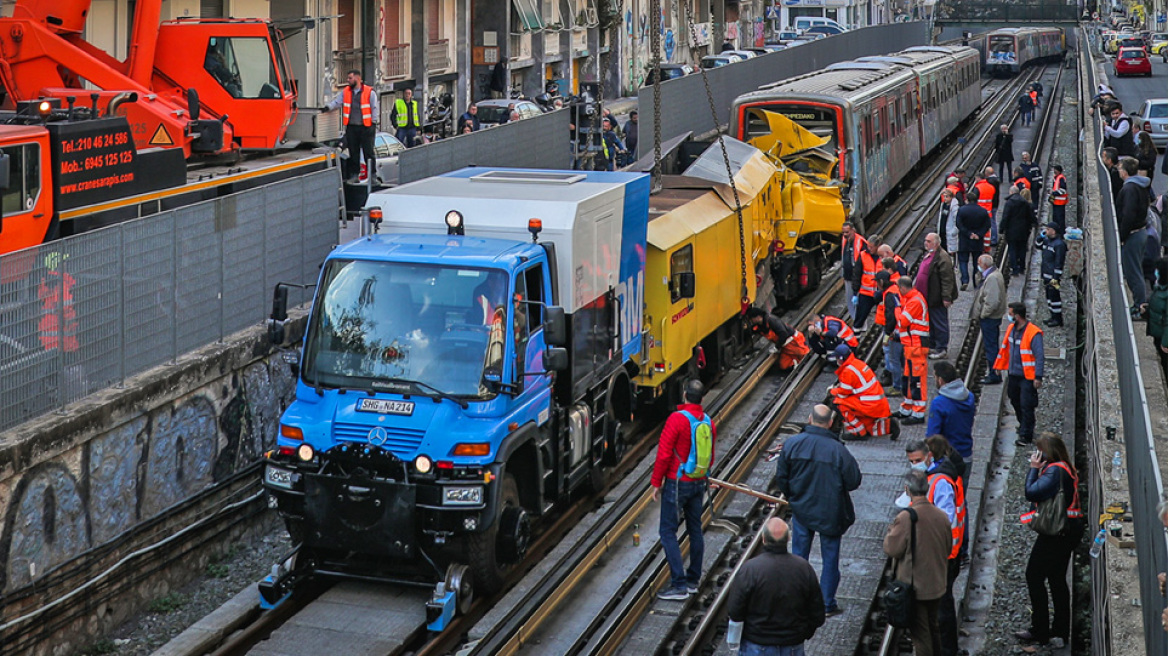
839,353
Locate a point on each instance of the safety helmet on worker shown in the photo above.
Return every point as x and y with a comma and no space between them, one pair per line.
840,353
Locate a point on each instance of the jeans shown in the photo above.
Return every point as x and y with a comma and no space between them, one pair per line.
939,327
1048,566
408,136
894,362
1027,116
1024,399
991,340
1132,260
848,294
677,500
358,141
963,258
748,648
829,549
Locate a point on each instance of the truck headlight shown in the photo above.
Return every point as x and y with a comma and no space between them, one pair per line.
462,496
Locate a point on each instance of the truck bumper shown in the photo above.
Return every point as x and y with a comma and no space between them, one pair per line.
370,517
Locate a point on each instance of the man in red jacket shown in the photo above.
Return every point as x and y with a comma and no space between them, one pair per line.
680,493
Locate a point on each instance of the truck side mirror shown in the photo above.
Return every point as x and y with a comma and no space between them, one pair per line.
555,359
555,327
686,283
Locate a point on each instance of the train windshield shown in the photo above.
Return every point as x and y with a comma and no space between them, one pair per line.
1001,48
377,322
819,120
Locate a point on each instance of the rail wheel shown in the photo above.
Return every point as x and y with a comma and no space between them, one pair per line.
494,552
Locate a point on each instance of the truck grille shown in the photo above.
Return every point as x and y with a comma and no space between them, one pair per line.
402,442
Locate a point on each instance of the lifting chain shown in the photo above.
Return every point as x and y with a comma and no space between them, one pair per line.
693,39
655,58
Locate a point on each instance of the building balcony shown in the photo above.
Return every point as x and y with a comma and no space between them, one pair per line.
395,62
551,44
579,42
438,59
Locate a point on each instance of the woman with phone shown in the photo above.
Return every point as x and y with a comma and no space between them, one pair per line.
1051,473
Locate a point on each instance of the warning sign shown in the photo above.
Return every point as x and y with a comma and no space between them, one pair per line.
161,137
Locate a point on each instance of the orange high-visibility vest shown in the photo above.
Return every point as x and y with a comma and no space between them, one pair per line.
913,322
1022,182
1028,361
842,329
985,195
1073,510
366,104
1059,195
856,379
958,528
871,265
58,324
893,289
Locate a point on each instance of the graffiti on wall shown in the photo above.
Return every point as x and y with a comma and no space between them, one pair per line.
94,493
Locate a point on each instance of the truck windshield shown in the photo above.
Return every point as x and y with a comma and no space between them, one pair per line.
378,321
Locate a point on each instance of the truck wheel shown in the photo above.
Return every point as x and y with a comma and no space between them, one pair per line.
493,553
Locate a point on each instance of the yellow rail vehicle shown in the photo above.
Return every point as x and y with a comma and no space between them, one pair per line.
695,288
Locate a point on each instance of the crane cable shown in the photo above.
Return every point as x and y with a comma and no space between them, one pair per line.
655,44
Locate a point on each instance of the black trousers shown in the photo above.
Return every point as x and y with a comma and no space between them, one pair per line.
924,632
1019,251
864,305
1024,399
1048,566
358,141
1058,214
947,611
1054,301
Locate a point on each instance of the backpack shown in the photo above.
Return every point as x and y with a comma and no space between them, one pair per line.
701,447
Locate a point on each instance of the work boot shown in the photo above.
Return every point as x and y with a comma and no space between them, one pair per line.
853,437
893,393
885,378
1054,322
894,432
912,421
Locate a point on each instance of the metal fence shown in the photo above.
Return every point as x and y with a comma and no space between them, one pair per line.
541,142
683,100
1145,484
86,312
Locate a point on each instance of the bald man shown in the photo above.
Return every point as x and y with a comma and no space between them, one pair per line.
818,474
774,601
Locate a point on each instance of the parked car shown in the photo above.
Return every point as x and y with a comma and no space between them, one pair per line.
386,148
787,35
492,112
717,61
1132,61
805,22
1158,40
741,54
1152,118
668,72
774,47
829,30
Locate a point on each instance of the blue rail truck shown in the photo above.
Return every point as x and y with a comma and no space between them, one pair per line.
462,372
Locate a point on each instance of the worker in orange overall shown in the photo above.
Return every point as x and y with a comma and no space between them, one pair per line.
913,326
859,397
790,342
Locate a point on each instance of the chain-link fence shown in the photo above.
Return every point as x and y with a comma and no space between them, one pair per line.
87,312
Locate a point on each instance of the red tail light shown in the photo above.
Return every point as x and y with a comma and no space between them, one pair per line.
803,276
1147,126
364,170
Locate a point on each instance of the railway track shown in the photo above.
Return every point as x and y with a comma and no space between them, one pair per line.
555,586
606,630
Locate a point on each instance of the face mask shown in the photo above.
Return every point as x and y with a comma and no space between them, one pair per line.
920,466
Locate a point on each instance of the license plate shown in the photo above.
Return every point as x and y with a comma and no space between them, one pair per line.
386,407
278,477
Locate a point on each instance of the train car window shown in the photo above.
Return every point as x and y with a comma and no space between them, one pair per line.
24,175
680,262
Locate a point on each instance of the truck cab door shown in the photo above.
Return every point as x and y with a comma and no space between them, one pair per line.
529,298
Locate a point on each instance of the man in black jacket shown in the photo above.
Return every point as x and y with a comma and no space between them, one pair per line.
1004,151
1033,173
1111,161
817,473
1018,220
1131,212
973,222
774,600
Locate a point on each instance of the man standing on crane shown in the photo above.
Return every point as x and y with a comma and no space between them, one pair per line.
360,122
